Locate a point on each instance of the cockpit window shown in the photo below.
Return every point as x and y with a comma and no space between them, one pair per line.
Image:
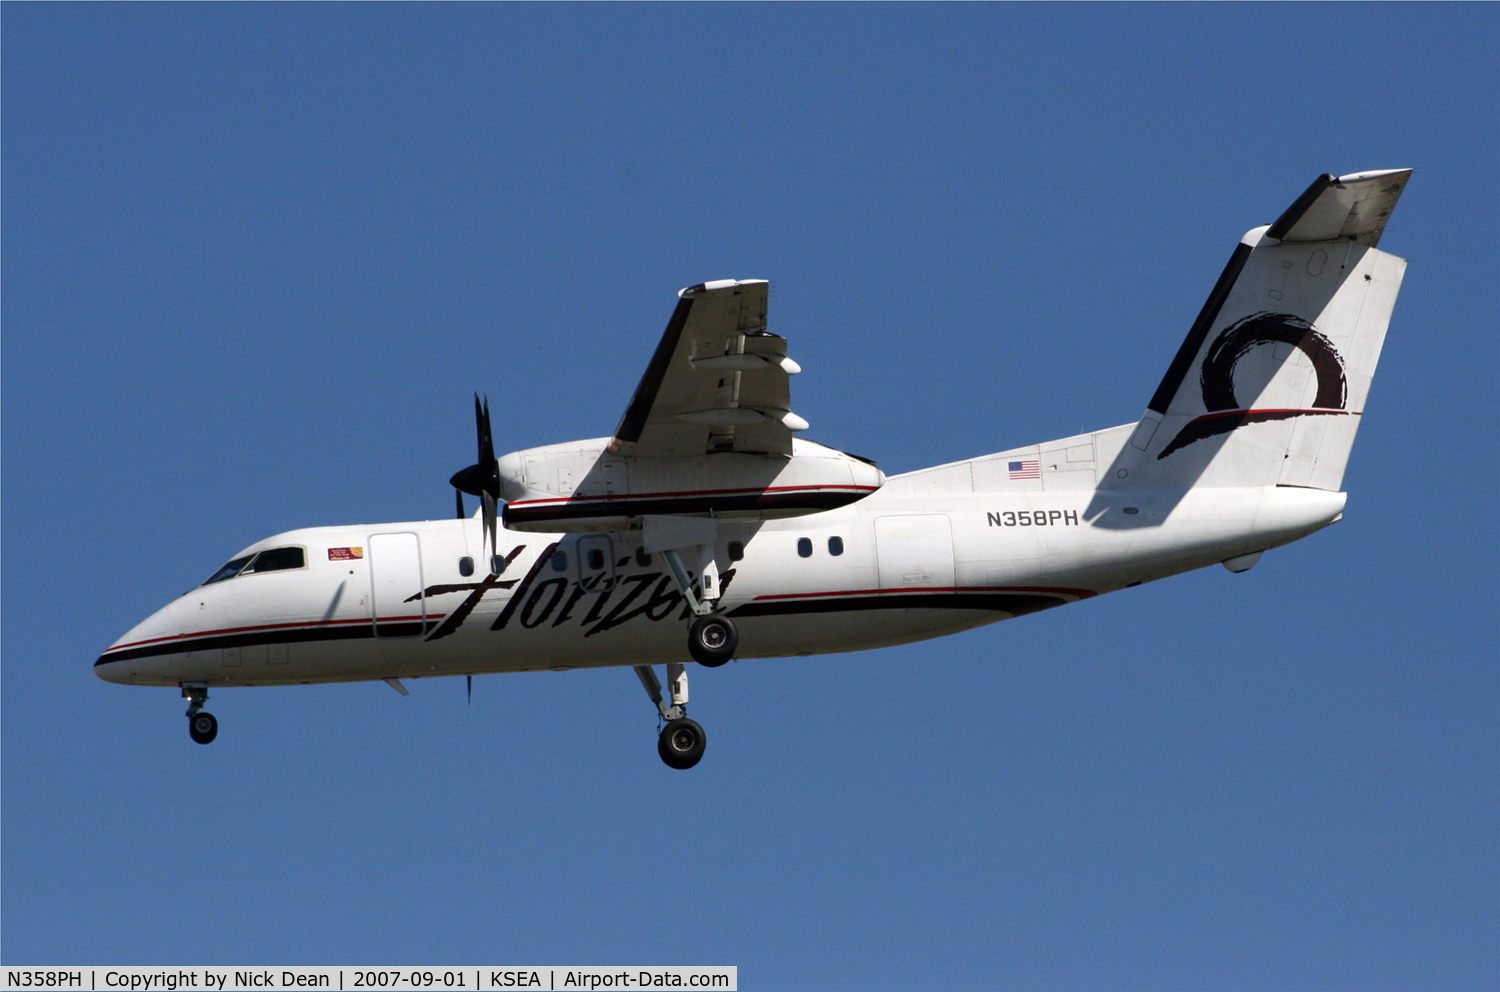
277,560
230,570
272,560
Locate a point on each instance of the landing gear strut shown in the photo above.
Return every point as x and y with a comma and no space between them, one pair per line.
712,639
202,727
682,740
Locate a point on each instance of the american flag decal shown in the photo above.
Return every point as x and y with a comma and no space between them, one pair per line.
1030,469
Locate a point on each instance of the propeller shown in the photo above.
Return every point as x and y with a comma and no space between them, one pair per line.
471,690
481,479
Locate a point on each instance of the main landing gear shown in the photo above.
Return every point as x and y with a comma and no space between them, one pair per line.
202,727
682,740
712,638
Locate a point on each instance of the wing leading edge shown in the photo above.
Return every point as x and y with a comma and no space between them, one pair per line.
718,381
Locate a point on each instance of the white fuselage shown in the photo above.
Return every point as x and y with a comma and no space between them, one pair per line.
912,566
703,528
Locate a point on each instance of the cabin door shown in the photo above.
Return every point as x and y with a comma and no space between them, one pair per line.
915,552
396,602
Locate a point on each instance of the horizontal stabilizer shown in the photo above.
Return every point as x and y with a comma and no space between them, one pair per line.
1342,208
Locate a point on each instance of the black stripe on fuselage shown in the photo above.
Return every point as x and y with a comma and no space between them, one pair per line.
251,638
1015,603
802,500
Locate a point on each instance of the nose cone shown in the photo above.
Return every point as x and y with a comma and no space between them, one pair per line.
117,672
145,643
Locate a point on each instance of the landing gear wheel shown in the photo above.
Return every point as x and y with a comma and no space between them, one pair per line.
712,640
681,743
203,728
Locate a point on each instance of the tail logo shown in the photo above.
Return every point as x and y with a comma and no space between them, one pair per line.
1225,414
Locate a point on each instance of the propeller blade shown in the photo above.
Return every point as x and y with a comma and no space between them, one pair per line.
458,495
479,425
484,475
482,479
471,690
486,438
489,525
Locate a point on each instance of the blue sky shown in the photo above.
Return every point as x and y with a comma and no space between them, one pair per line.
256,258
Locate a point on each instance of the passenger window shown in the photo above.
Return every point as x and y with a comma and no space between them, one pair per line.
736,550
230,570
497,564
835,546
277,560
804,547
559,561
596,559
466,566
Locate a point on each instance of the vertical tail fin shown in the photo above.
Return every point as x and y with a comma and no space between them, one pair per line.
1270,384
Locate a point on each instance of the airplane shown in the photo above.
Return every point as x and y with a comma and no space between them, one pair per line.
706,528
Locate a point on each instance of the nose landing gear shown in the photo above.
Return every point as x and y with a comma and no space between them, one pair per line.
202,727
681,743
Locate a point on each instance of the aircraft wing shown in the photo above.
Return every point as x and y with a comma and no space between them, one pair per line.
717,382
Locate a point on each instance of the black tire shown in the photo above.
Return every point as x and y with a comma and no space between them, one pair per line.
681,743
712,640
203,728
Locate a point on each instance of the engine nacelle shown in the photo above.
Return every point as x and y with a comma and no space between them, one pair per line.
582,486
